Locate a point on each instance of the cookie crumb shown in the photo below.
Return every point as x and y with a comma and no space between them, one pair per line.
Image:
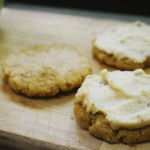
72,117
79,141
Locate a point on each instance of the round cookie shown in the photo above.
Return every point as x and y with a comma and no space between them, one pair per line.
114,106
44,70
98,126
126,47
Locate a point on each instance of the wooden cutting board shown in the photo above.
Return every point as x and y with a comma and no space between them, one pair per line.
47,123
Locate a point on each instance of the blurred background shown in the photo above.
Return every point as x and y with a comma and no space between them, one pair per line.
118,6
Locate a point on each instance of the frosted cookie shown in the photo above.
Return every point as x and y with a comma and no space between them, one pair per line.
115,106
46,70
126,46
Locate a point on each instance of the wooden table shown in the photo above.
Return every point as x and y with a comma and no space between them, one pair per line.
49,123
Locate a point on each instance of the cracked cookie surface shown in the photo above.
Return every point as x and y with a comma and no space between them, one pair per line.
45,70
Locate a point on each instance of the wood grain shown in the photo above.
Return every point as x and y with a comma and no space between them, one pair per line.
47,123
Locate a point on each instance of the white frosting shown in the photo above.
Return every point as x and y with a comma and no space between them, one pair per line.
122,96
130,41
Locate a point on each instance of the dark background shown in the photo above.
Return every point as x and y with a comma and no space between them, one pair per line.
141,7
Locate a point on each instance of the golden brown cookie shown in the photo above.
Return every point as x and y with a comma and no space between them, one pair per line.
46,70
126,47
123,64
98,126
114,106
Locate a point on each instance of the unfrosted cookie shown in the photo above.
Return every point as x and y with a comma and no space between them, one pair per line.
126,46
115,106
46,70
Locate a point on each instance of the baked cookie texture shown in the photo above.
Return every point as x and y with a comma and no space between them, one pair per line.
114,106
98,126
123,64
126,47
46,70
